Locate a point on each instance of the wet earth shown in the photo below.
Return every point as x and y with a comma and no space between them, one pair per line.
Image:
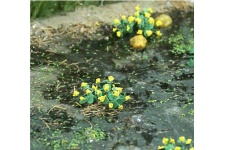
161,86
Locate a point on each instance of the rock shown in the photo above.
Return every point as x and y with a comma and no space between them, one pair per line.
138,42
165,19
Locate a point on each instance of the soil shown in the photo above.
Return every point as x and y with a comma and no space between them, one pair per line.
70,49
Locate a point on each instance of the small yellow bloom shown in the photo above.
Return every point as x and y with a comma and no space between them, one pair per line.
116,93
137,8
138,20
83,84
165,141
150,10
121,107
88,91
119,89
127,98
94,87
188,141
98,80
158,33
102,98
161,147
114,29
147,15
128,28
177,148
139,32
118,33
98,92
136,14
148,32
110,78
159,23
182,139
172,141
116,21
192,148
110,105
106,87
151,21
123,17
131,19
75,93
81,98
97,24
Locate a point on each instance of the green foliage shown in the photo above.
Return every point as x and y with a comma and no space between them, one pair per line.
191,56
48,8
104,91
181,144
140,23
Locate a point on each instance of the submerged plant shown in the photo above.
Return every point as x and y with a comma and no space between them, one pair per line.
105,92
181,144
140,23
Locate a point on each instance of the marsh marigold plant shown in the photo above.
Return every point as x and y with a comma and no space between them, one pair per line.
103,91
140,23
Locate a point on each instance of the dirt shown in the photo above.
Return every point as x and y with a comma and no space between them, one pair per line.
67,50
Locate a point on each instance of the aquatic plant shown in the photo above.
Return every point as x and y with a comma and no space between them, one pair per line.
105,92
140,23
181,144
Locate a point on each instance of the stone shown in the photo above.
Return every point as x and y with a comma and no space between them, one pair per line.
166,20
138,42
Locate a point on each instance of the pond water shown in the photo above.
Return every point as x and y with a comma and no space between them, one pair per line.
161,86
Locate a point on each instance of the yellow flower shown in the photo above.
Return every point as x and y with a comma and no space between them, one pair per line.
182,139
148,32
106,87
119,89
123,17
139,32
192,148
161,147
127,98
150,10
116,21
147,15
97,80
188,141
159,23
81,98
158,33
97,24
83,84
94,87
121,107
75,93
98,92
128,28
177,148
88,91
118,33
136,13
110,78
110,105
138,20
165,141
114,29
116,93
151,21
102,98
172,141
137,8
131,19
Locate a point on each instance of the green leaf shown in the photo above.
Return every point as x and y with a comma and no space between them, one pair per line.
110,96
90,98
83,101
191,51
191,63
